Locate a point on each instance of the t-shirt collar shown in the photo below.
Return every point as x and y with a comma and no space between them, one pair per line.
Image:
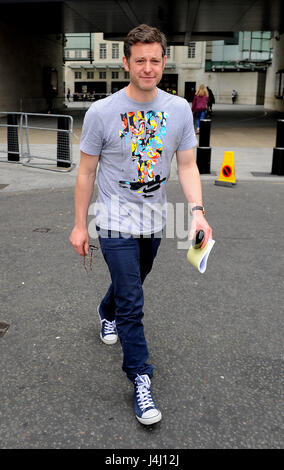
147,103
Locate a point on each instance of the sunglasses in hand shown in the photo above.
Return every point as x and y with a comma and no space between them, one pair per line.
92,248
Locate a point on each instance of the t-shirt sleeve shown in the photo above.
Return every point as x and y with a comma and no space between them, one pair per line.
92,132
188,138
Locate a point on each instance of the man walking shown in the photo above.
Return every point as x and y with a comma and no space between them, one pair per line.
134,134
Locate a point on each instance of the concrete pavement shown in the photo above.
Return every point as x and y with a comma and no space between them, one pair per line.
216,340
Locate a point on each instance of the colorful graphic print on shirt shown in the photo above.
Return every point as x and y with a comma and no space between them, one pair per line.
146,132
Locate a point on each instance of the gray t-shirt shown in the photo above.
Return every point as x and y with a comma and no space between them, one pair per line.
135,143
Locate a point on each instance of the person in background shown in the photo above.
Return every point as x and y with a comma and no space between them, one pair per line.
211,100
234,96
200,105
51,94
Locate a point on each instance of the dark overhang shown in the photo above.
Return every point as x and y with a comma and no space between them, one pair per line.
181,20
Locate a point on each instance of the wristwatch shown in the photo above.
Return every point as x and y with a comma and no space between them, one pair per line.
197,208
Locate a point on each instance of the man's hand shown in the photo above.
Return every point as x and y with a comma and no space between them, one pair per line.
80,240
200,223
83,192
191,184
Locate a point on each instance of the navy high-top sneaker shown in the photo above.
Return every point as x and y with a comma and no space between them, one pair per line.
108,331
144,405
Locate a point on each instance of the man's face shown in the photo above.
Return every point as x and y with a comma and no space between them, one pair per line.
145,66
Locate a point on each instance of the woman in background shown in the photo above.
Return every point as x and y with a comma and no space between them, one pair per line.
199,105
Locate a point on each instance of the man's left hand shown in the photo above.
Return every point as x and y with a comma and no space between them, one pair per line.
200,223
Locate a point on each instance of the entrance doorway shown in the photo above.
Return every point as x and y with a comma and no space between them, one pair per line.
169,82
90,87
89,91
116,86
189,91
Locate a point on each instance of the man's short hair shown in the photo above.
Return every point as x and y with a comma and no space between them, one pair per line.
146,34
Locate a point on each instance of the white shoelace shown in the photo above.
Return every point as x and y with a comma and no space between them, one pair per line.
109,327
144,397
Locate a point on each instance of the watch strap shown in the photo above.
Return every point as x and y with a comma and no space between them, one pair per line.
198,208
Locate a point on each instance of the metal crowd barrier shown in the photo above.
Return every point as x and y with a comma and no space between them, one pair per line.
9,136
37,140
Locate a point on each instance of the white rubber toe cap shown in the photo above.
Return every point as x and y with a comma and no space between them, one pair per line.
150,417
109,339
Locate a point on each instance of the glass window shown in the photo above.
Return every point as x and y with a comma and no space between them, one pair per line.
266,34
78,75
255,55
265,56
78,54
246,45
191,50
257,41
246,40
102,74
103,51
115,51
168,52
114,75
256,44
126,75
265,45
77,40
90,75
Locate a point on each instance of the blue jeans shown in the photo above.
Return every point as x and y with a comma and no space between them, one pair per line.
199,115
129,261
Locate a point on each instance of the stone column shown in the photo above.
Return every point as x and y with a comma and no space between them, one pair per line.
271,102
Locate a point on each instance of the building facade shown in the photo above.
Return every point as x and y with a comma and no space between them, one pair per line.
93,68
241,64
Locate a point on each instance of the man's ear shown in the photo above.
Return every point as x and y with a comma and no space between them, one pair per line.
125,64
